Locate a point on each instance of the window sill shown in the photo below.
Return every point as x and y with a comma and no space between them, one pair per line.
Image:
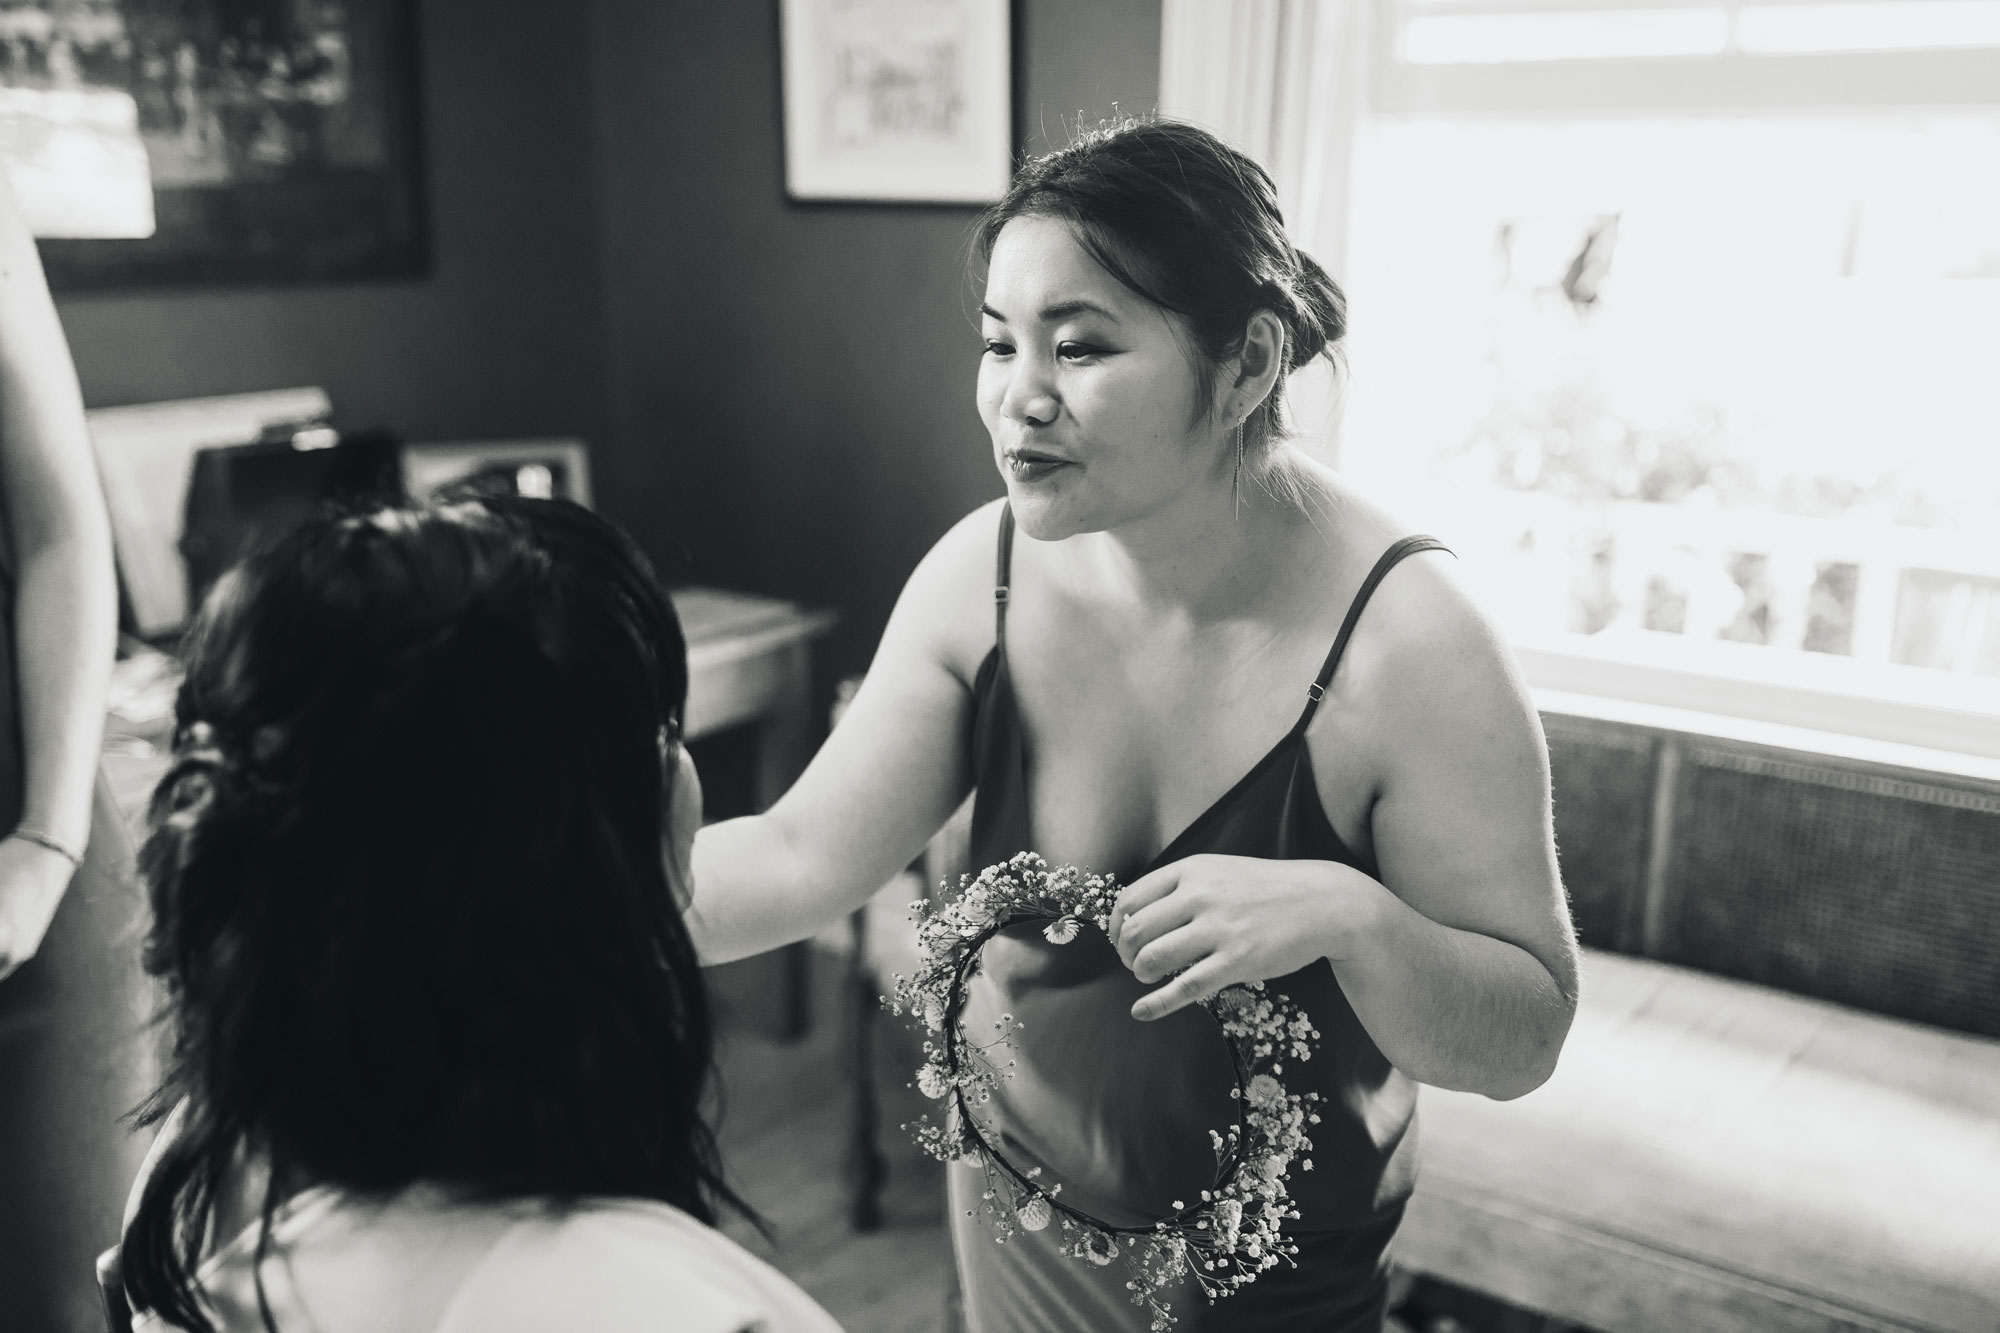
1901,717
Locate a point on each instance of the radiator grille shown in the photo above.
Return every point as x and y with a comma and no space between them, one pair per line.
1603,785
1877,892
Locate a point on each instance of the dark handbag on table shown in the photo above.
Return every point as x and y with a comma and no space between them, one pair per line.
240,494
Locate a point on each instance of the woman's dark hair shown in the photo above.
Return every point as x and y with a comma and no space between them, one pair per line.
409,897
1193,226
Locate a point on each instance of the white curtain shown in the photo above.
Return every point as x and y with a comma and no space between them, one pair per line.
1286,81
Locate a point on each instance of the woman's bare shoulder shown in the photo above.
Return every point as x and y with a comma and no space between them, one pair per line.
947,606
1423,645
1429,671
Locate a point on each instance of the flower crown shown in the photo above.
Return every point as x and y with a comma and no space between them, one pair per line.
1223,1240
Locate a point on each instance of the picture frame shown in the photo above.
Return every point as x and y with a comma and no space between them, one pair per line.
281,142
897,101
557,468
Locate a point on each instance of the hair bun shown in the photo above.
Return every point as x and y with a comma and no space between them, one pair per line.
1319,311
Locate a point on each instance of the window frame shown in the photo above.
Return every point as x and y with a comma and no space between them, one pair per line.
1724,81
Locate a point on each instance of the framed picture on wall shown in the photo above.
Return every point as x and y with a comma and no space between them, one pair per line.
214,141
897,100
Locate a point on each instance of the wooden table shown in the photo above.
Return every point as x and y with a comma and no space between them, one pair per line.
749,665
750,662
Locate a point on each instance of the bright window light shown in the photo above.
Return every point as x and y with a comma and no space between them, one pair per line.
1901,25
1476,39
1505,34
1727,378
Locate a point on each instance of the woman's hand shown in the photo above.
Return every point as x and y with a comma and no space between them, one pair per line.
1220,920
32,880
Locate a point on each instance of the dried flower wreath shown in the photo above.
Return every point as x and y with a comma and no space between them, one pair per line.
1224,1240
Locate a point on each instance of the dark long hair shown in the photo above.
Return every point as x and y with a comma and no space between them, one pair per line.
409,899
1192,225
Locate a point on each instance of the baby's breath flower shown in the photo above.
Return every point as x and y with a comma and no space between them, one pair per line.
1099,1248
1034,1213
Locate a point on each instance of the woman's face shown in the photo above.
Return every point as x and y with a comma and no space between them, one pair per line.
1087,388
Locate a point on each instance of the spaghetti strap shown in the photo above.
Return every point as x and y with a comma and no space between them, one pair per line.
1003,573
1388,561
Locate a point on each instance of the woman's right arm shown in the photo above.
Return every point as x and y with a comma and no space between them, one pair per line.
887,779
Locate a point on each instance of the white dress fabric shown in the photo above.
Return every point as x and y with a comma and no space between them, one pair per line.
422,1263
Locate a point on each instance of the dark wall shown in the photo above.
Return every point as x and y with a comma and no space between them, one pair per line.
792,384
782,391
505,337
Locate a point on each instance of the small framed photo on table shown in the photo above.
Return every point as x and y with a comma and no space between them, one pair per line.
540,469
898,101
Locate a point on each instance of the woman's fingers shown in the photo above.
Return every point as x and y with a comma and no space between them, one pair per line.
1148,889
1170,951
1151,922
1197,983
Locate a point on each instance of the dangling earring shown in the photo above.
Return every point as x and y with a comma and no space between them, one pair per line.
1236,474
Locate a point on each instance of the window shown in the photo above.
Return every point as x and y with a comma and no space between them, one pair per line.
1683,322
1454,32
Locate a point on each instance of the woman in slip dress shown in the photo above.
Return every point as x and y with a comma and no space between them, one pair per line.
1182,652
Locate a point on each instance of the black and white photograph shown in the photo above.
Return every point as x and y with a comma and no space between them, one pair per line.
1000,666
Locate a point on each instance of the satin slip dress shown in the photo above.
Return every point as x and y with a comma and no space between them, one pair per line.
1120,1111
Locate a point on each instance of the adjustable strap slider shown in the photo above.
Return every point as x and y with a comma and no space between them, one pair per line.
1315,691
1000,594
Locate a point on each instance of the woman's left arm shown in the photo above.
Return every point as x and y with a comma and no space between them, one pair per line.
1460,960
65,603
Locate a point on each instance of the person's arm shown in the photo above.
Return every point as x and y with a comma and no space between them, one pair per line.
1466,971
1460,960
885,781
65,604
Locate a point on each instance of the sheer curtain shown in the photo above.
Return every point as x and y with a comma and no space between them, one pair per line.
1286,82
